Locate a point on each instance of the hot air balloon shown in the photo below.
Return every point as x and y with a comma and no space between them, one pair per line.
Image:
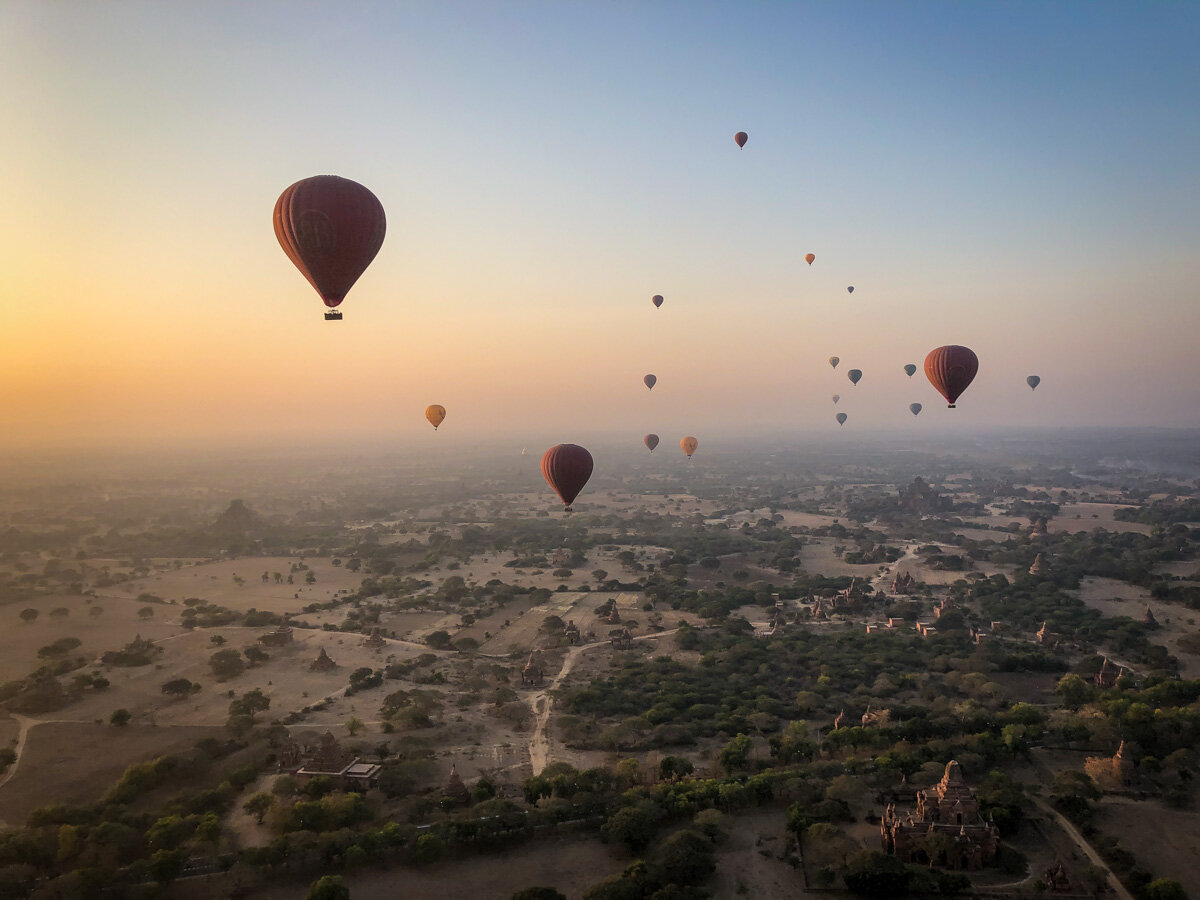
915,408
910,370
689,445
436,414
656,300
855,375
567,468
651,381
651,441
809,258
741,137
330,228
850,290
836,398
951,369
834,360
1033,381
841,418
524,451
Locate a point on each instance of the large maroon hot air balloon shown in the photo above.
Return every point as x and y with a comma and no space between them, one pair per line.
651,441
331,228
951,369
567,468
741,137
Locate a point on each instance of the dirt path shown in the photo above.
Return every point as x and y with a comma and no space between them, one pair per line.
24,724
541,702
879,582
1083,845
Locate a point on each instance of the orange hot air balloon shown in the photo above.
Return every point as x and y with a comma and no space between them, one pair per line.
810,258
436,414
741,137
650,381
689,445
657,300
567,468
651,441
951,369
330,228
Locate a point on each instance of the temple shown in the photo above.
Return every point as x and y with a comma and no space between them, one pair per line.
949,808
330,759
323,662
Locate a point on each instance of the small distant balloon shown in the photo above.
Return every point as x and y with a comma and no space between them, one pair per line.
524,450
689,445
910,370
841,418
836,398
810,258
567,468
915,408
741,137
651,441
951,369
651,381
436,414
1033,381
855,375
657,299
850,290
834,360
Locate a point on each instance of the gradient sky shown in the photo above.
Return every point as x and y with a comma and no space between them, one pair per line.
1021,178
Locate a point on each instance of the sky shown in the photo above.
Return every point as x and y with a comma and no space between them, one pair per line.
1017,177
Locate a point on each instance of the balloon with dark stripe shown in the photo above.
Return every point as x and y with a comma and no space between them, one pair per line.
951,369
567,468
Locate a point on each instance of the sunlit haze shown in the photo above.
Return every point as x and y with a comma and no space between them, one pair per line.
1020,178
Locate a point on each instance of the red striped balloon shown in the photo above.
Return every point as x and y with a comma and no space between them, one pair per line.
567,468
951,369
330,228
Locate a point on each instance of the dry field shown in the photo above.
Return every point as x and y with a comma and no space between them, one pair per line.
1089,516
1119,598
1164,840
77,763
748,863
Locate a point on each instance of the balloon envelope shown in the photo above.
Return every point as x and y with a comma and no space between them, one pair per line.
741,137
841,418
567,468
689,445
330,228
1033,381
837,397
436,414
910,370
657,299
651,441
809,258
855,375
850,290
951,369
651,381
834,360
915,408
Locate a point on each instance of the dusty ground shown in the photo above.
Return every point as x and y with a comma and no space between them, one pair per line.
77,763
1089,516
1164,840
1118,598
749,864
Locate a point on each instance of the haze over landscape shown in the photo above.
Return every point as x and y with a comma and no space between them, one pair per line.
619,542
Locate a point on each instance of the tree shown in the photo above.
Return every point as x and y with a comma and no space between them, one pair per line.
310,578
145,612
165,865
686,857
59,612
179,687
226,664
96,610
255,655
634,826
354,725
870,873
438,639
1074,690
28,615
1164,889
120,717
674,767
328,887
736,753
258,805
599,574
216,640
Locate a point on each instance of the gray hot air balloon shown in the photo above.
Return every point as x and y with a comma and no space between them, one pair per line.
833,361
837,397
855,375
850,290
910,370
914,408
650,381
841,417
1033,381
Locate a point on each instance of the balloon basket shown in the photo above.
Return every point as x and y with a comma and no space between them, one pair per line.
333,316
